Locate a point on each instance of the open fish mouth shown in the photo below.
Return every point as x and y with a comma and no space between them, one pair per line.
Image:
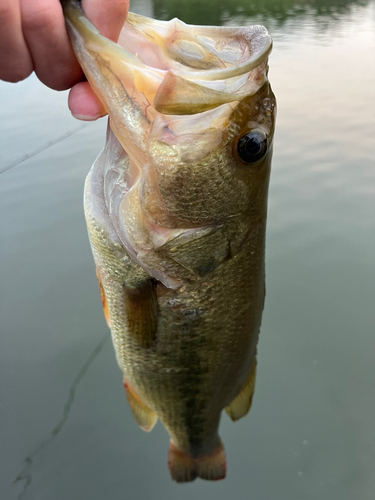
170,66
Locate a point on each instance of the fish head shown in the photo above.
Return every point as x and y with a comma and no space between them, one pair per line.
191,122
211,166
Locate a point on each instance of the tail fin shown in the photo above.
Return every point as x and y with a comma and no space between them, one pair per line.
183,467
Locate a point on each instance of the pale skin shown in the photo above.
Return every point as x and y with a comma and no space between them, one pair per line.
33,38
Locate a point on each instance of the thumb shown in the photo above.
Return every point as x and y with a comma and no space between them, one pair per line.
108,16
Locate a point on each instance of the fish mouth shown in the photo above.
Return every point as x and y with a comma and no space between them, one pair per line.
172,67
197,52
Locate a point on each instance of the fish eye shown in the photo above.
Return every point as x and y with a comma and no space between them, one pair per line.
252,146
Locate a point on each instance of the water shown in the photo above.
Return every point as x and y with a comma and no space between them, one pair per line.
66,430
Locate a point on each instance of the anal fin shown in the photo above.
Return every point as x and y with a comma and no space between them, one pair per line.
184,468
141,313
145,418
240,405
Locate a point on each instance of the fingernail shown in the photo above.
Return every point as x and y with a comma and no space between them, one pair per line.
87,118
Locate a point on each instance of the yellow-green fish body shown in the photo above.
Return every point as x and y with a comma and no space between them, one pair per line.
176,212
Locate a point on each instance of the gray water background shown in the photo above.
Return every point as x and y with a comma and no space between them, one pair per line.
66,430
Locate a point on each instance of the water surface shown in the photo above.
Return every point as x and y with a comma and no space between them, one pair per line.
66,430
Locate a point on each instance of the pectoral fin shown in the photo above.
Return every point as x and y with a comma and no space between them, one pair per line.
200,251
145,418
141,313
240,405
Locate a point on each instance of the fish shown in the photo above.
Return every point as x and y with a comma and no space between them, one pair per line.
176,209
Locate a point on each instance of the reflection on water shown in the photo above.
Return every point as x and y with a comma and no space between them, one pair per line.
25,476
218,13
311,430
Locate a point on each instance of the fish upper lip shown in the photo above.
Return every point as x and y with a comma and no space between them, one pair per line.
170,67
254,38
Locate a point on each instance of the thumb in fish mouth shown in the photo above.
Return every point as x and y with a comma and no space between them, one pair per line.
108,16
84,104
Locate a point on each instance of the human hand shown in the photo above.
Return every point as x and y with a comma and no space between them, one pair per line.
33,37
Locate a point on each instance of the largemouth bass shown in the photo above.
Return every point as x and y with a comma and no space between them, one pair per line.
176,208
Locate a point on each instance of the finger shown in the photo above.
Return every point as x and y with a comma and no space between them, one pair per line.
107,15
45,33
15,60
84,104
